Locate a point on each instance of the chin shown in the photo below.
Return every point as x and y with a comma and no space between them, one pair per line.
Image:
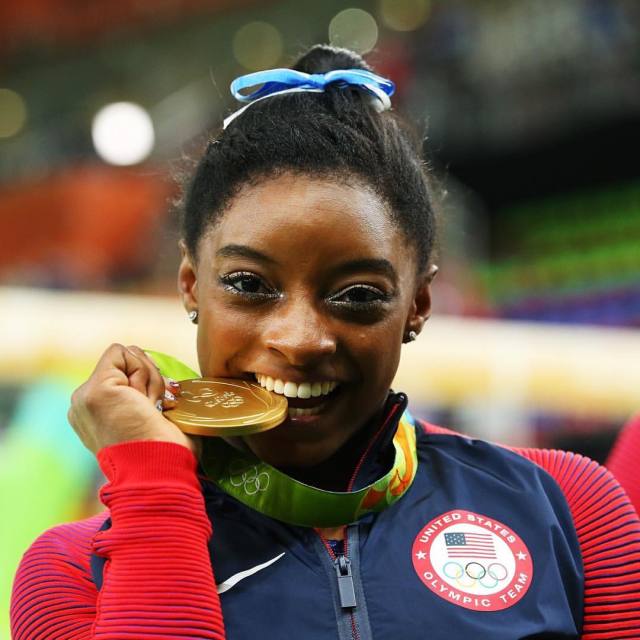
282,447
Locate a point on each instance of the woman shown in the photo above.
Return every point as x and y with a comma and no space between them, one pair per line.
307,263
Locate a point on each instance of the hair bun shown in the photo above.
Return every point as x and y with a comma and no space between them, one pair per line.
322,58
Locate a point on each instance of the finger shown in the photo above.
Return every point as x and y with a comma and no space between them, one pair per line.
122,366
171,391
155,381
168,401
136,370
172,386
112,364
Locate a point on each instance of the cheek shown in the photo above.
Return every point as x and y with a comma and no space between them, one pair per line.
222,335
378,353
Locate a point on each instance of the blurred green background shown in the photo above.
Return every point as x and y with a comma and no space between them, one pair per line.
531,115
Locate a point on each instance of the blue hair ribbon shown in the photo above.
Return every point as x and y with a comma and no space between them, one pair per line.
280,81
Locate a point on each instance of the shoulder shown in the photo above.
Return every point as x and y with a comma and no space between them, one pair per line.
588,487
71,540
55,570
608,531
606,525
564,467
584,483
451,450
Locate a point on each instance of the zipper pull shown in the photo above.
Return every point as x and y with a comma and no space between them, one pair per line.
345,582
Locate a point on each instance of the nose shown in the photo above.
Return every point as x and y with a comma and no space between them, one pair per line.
300,333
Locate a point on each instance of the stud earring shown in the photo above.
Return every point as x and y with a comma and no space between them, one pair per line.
411,336
193,316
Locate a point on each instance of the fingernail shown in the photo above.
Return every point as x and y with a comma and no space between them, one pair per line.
159,405
169,396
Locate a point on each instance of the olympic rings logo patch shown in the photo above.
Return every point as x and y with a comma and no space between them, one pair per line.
470,574
247,476
472,561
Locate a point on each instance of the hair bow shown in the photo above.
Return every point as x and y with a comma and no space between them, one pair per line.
280,81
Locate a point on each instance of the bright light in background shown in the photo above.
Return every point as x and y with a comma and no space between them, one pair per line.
355,29
404,15
257,45
13,113
122,133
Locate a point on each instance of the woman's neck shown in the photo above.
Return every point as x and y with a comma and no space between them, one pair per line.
335,473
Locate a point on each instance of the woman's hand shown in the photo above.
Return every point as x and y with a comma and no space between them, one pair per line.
120,401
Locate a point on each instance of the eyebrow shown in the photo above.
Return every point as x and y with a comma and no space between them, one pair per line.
242,251
375,265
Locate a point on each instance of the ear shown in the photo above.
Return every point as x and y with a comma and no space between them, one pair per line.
421,305
187,282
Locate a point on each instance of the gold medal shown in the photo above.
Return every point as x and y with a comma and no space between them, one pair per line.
226,407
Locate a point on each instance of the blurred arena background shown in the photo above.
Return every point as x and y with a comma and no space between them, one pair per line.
532,115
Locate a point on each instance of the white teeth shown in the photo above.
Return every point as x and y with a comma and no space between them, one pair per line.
304,390
293,390
290,389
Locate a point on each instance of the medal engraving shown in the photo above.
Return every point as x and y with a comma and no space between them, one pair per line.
211,398
224,406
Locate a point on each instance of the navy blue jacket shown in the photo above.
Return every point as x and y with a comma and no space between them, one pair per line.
401,578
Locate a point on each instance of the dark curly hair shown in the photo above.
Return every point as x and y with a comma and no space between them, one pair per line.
336,134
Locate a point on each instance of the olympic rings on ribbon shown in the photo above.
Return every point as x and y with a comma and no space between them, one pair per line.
247,477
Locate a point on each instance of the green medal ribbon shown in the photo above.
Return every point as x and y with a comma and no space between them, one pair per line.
271,492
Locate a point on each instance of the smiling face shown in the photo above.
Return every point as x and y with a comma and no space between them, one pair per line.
306,285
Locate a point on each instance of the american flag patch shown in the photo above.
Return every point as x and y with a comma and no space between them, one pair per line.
470,545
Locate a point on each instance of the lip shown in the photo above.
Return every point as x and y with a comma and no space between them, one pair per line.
305,403
303,420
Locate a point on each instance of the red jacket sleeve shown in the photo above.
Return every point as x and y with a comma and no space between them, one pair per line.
609,535
624,461
157,581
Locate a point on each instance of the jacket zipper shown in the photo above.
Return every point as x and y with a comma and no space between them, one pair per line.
341,561
342,566
346,590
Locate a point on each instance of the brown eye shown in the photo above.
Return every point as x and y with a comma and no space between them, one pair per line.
359,297
246,283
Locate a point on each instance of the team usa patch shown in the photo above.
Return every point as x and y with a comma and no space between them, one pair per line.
473,561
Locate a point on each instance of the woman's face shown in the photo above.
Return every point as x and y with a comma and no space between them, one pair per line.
306,281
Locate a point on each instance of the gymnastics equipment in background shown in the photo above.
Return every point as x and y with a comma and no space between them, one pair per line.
570,259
